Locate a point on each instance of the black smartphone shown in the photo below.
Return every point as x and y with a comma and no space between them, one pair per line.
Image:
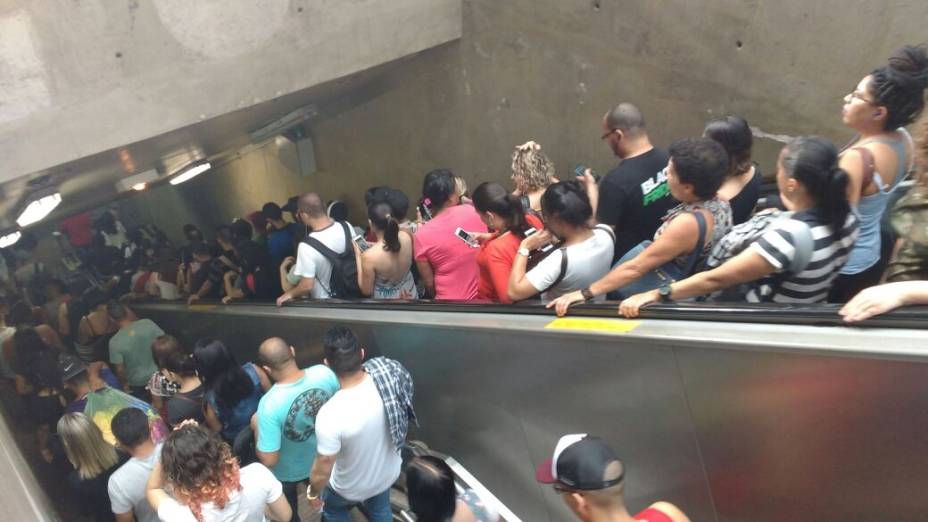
580,169
531,231
425,212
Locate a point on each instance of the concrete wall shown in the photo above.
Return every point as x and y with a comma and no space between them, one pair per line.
548,69
77,78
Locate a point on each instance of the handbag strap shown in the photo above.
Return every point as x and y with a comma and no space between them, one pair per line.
562,273
869,164
696,254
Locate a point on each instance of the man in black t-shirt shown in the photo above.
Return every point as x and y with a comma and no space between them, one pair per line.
634,196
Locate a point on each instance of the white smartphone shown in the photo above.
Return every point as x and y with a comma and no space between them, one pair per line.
362,243
467,238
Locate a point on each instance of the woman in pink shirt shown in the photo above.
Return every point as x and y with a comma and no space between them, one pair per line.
447,265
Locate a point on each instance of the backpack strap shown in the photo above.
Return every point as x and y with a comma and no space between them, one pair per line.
696,254
562,273
803,243
869,165
607,229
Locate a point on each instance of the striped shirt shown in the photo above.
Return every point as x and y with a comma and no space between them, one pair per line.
811,285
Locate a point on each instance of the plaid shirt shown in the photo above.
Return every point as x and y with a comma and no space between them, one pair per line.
394,384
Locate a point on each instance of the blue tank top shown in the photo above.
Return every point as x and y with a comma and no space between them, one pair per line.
236,418
869,211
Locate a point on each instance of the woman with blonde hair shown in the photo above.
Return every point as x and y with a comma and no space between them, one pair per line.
94,460
532,172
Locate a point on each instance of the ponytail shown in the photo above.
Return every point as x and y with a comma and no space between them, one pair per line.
517,222
379,214
391,235
835,205
813,161
492,197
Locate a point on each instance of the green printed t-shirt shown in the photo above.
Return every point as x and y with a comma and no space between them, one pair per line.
131,347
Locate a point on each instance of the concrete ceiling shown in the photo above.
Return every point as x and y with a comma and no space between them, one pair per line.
90,182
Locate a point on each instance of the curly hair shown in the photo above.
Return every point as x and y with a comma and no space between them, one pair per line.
200,468
531,168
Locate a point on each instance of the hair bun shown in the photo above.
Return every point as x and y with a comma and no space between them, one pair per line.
910,66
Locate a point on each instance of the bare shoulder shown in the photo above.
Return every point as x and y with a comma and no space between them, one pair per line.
670,510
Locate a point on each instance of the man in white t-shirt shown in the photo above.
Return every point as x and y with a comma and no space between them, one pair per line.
314,270
126,486
357,461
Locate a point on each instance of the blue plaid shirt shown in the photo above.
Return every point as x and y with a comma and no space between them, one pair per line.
394,384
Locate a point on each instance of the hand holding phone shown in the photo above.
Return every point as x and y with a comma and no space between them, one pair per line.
466,238
545,237
580,172
362,243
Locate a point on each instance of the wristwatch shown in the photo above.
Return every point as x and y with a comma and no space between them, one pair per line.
522,251
665,291
587,293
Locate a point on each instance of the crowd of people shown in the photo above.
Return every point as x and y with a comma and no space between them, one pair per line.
161,429
151,427
691,222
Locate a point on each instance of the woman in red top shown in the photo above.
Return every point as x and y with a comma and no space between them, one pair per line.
504,216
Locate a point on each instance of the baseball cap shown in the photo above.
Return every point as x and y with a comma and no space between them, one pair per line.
291,205
69,366
581,462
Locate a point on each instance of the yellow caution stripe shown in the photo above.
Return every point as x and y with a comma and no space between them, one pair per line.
595,325
201,307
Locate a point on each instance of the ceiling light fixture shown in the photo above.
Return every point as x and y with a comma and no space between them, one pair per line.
40,205
137,182
190,172
10,239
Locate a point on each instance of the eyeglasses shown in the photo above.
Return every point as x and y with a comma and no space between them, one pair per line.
855,94
606,135
560,490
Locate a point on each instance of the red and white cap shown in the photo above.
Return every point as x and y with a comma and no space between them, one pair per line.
581,462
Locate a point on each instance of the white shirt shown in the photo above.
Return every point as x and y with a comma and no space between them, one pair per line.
310,263
353,425
127,487
587,262
259,488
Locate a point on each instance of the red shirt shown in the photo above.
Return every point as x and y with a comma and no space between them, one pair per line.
78,228
495,263
653,515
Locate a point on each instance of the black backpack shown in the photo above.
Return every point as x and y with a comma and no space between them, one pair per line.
344,281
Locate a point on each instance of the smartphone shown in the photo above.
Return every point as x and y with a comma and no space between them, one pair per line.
467,238
580,169
425,212
362,243
531,231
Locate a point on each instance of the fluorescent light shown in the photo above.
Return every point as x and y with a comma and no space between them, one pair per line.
37,209
137,182
191,173
10,239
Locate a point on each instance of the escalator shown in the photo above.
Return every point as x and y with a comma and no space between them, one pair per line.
734,414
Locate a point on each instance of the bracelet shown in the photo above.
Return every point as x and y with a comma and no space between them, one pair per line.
309,495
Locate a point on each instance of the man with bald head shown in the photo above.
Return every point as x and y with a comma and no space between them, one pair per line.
634,196
286,419
312,266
